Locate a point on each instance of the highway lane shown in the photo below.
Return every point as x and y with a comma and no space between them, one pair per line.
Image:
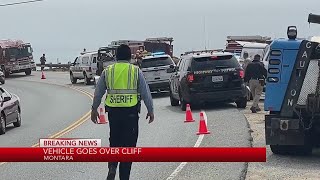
45,111
227,124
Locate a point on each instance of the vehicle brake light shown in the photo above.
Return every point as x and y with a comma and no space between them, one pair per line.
241,74
214,57
190,78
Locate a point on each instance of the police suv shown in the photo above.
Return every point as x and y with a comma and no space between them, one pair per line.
207,77
154,68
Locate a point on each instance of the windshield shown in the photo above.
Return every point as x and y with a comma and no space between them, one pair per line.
214,62
252,52
156,62
20,52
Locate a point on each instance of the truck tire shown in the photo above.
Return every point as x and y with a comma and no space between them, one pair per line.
291,150
28,72
72,79
87,81
279,149
242,103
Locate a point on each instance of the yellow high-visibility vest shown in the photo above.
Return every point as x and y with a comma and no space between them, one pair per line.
122,85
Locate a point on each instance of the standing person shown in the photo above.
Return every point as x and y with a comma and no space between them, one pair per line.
255,75
124,83
43,61
246,61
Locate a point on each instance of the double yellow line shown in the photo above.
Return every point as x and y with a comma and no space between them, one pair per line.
73,125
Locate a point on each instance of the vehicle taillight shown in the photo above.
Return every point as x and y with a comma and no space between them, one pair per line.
241,74
190,78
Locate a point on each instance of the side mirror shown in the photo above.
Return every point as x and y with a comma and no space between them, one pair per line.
5,99
171,66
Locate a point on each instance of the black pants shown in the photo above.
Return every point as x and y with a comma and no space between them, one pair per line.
123,123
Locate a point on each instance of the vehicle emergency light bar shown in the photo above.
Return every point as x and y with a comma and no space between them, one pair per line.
158,53
203,51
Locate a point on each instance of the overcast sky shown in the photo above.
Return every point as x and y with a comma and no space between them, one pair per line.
62,28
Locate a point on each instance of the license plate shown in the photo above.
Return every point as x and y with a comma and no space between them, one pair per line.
156,73
217,78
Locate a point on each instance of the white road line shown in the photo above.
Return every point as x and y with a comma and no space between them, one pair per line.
183,164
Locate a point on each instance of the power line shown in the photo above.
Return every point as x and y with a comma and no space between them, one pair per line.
22,2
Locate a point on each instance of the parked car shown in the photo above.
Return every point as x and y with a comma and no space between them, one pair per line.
10,110
207,77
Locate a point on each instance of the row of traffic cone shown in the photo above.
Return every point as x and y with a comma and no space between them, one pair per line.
202,123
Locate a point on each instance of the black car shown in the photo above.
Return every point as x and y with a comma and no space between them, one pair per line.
207,77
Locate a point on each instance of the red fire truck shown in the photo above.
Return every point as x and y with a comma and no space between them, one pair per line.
15,57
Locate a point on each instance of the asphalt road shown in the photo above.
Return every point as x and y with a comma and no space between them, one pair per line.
227,124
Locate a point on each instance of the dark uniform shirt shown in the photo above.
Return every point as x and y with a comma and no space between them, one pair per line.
255,70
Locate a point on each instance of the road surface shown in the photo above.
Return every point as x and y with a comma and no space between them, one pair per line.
227,124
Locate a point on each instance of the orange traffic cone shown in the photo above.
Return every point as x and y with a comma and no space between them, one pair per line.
202,125
189,117
102,118
42,75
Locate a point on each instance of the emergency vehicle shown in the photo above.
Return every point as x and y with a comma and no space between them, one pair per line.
293,95
15,57
154,68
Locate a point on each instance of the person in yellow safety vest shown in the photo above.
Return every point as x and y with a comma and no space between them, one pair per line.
125,86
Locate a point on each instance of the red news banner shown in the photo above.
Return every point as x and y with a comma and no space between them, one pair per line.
90,150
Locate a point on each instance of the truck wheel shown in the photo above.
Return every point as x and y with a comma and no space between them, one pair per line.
28,72
242,103
279,149
87,81
291,150
72,79
173,101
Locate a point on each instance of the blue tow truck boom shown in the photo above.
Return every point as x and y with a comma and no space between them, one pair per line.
293,95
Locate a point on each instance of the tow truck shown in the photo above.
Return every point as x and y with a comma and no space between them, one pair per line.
292,96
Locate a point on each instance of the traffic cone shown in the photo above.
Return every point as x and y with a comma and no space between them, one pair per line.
42,75
202,125
102,117
189,117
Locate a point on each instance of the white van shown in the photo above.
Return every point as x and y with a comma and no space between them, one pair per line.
84,67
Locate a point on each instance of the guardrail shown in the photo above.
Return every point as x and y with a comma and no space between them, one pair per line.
53,67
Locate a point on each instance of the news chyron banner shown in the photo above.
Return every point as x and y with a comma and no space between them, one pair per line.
91,150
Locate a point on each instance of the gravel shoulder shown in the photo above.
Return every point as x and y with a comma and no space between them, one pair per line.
278,167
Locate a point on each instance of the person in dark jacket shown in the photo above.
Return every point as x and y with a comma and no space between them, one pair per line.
255,75
43,61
